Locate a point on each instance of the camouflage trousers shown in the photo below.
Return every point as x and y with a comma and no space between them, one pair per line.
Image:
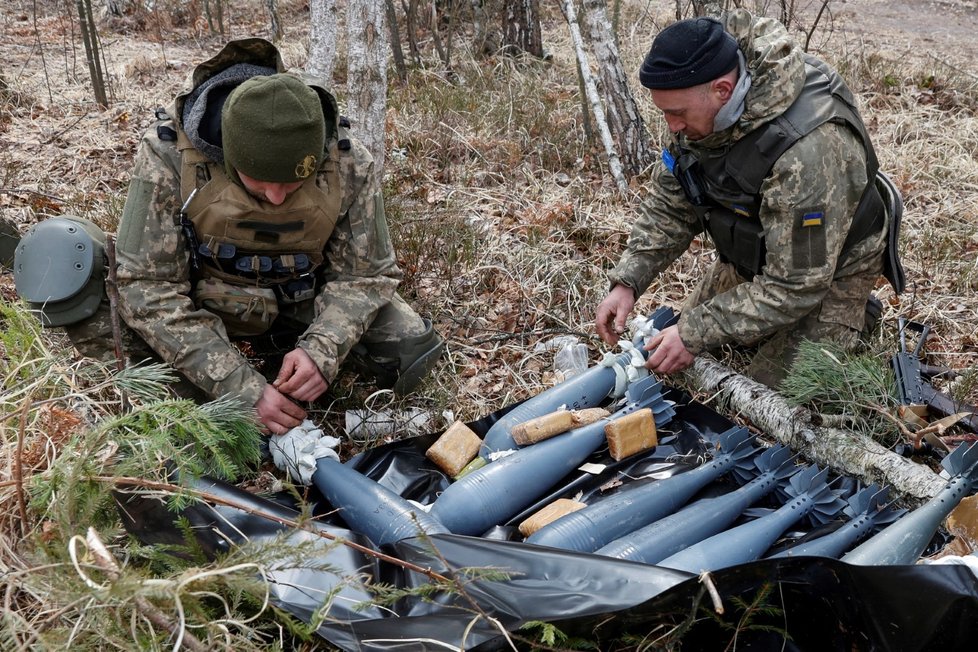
840,317
395,323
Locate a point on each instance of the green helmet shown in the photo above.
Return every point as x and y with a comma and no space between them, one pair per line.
59,269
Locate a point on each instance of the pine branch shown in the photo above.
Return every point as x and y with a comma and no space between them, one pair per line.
105,561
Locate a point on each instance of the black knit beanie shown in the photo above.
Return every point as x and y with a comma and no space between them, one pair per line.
688,53
273,129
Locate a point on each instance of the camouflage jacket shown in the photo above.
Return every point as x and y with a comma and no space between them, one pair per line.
823,172
154,272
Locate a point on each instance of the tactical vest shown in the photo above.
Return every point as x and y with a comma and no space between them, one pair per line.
243,241
724,186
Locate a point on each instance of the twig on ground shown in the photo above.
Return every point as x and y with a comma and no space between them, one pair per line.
707,580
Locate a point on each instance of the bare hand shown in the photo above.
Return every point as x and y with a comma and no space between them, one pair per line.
669,353
613,313
299,377
277,413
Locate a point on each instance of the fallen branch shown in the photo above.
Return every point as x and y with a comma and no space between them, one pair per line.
846,452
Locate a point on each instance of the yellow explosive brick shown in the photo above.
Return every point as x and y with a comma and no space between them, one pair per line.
588,416
555,423
631,434
454,449
549,514
543,427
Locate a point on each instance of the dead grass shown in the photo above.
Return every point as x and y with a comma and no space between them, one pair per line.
504,218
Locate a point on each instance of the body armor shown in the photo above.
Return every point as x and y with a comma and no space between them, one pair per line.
724,185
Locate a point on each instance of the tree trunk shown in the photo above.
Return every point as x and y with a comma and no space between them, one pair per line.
624,118
614,162
322,39
485,39
366,86
276,24
521,27
410,26
846,452
92,51
118,8
395,35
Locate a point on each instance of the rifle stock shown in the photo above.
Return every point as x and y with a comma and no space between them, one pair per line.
912,386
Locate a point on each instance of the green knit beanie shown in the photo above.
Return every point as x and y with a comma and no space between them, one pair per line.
273,129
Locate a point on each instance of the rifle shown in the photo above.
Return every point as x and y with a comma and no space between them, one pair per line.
913,379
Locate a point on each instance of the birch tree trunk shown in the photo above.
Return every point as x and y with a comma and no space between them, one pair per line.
846,452
322,39
366,85
614,163
521,27
624,118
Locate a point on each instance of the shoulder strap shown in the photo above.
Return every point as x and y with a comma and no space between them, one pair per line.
824,98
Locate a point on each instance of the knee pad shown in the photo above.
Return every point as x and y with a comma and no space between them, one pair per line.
59,269
400,365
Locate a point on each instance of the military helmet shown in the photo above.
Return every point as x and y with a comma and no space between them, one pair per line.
59,269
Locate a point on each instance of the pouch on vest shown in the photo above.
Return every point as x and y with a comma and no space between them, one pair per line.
245,310
738,240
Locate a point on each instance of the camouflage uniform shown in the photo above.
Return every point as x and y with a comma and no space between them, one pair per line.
805,289
355,300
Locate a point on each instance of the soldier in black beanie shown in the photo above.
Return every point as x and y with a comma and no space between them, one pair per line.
771,159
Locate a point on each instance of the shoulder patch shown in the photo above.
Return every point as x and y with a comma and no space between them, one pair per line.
811,219
808,238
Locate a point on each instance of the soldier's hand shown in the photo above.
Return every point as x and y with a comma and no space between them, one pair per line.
277,413
299,377
669,354
613,313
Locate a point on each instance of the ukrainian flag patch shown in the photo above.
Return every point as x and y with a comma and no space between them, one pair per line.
740,210
812,219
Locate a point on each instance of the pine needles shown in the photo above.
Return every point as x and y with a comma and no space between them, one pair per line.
858,388
68,440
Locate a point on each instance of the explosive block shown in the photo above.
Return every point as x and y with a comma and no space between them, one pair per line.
549,514
631,434
555,423
454,449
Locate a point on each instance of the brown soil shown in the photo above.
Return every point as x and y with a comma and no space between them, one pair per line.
918,29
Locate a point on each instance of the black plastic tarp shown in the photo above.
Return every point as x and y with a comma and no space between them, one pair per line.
500,583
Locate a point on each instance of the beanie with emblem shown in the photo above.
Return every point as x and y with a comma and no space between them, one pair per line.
689,53
272,129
